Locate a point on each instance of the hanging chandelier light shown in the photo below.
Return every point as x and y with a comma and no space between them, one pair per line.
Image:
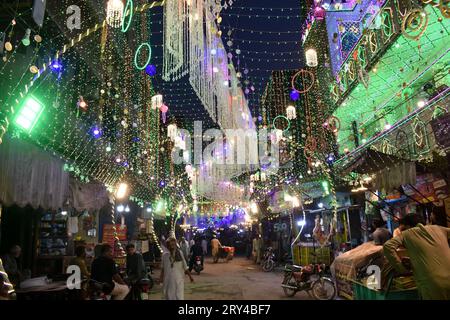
114,13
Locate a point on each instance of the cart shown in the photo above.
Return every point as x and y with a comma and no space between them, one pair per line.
225,253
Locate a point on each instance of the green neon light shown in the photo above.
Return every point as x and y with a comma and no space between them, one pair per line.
137,53
326,187
130,6
281,116
29,114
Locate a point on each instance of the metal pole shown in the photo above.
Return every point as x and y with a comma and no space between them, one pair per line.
349,230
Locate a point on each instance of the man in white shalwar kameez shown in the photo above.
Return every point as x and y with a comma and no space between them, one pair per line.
174,267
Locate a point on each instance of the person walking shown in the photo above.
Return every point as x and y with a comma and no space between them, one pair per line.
257,249
429,254
215,245
174,268
184,246
204,246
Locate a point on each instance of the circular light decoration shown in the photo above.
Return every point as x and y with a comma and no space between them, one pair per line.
311,58
281,117
334,124
145,44
414,24
129,6
151,70
302,73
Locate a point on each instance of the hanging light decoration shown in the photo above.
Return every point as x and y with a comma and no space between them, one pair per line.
172,131
263,177
291,113
164,110
311,58
114,13
157,101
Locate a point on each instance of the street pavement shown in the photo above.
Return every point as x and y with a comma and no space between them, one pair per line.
238,279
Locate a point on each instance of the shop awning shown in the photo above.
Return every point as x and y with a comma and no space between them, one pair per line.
370,161
391,171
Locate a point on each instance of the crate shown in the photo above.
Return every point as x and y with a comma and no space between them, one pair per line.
303,255
361,292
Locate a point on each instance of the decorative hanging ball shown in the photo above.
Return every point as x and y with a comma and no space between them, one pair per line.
157,101
311,58
164,110
38,38
34,69
291,112
8,46
295,95
319,13
150,70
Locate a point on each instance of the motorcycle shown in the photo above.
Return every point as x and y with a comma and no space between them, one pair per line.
138,287
308,278
198,267
268,260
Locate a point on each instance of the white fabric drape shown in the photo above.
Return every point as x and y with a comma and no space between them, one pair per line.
30,176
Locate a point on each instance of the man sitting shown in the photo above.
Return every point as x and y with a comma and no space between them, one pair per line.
196,251
104,270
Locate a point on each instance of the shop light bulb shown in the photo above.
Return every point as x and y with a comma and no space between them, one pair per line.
301,223
29,114
149,209
122,190
120,208
387,126
320,205
127,209
421,104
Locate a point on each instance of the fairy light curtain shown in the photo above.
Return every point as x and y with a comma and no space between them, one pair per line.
192,44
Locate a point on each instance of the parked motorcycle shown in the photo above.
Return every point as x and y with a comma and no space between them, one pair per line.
198,267
138,287
309,278
268,263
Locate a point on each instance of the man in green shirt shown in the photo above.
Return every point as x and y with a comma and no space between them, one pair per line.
429,253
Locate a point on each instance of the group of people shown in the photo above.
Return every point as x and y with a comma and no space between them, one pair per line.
104,269
428,252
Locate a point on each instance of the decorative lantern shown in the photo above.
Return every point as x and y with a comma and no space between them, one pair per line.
263,177
291,113
114,13
172,131
157,101
311,58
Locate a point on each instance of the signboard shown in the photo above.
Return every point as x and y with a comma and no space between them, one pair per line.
429,189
